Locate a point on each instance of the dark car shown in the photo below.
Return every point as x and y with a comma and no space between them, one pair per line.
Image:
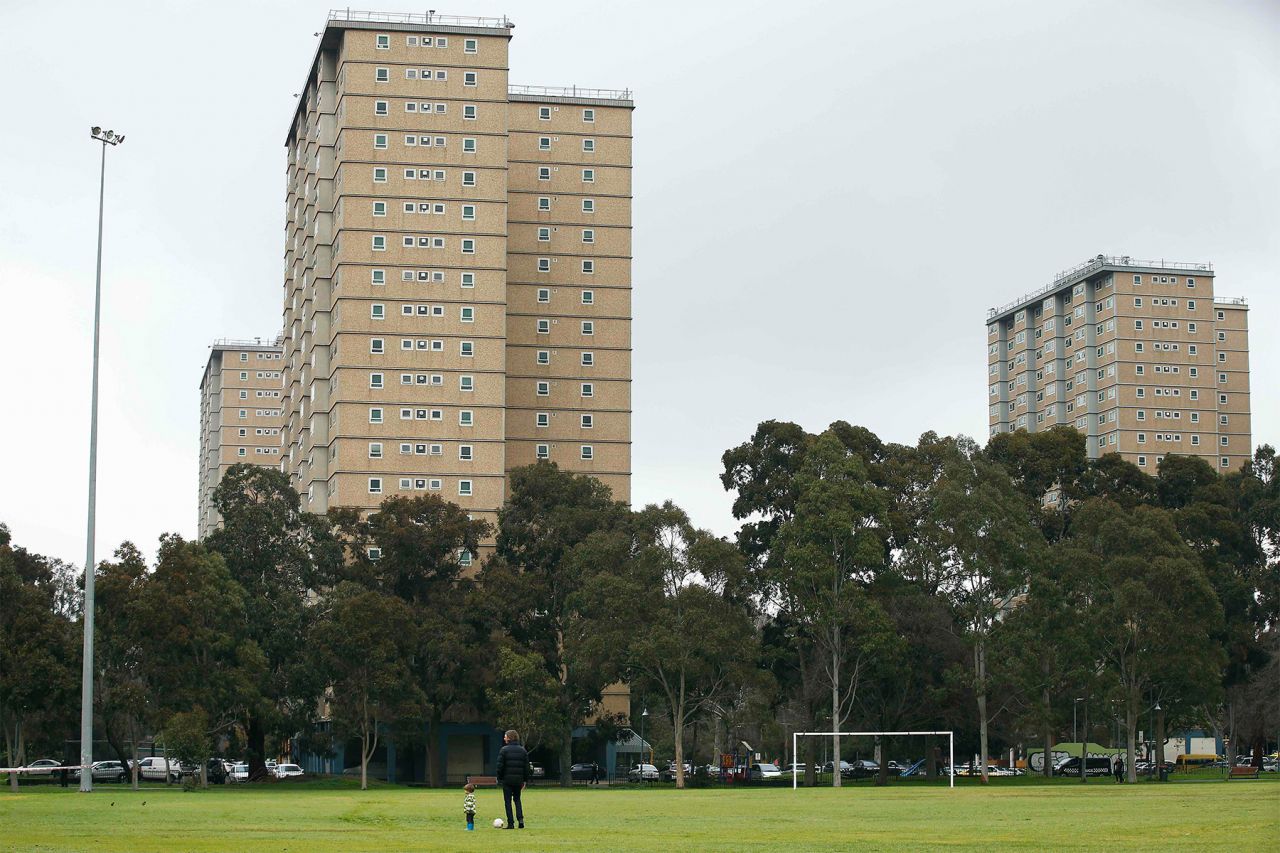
537,771
864,768
582,772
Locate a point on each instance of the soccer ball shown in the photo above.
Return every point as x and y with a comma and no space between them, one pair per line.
497,823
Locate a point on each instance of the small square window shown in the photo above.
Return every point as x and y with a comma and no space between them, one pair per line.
588,297
468,78
468,246
588,359
544,327
375,450
544,389
544,265
544,143
588,235
465,418
468,145
588,205
379,140
544,295
464,452
542,419
588,267
544,173
588,176
380,108
383,42
379,208
470,46
469,112
588,421
464,487
588,389
542,451
544,203
586,452
544,113
380,175
588,146
468,179
588,327
382,75
469,211
588,115
544,356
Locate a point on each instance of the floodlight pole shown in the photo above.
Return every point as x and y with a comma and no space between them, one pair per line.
86,665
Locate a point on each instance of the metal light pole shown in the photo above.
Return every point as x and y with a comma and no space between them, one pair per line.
106,137
644,715
1074,738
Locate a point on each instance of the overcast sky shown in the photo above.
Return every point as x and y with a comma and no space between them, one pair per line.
828,197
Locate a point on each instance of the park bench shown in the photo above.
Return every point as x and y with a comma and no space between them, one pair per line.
1243,773
483,781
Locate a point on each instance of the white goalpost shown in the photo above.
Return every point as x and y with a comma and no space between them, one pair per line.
795,741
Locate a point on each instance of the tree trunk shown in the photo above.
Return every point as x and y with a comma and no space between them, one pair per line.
677,730
566,757
9,754
1131,741
980,673
433,749
256,749
1084,743
835,713
134,771
1047,769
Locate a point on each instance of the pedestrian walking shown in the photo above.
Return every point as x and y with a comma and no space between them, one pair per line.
1118,769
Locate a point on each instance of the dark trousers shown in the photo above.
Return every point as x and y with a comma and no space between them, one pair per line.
509,793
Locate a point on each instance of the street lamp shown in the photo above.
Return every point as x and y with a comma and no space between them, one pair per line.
1074,705
644,715
106,137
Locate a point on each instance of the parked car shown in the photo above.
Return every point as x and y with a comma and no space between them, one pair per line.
537,771
43,767
762,772
239,773
846,769
643,772
669,774
864,768
581,772
797,767
104,771
288,771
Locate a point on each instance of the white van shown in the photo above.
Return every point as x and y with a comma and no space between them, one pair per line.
154,769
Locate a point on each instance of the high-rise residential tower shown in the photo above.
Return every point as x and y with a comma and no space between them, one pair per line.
239,414
1140,356
457,269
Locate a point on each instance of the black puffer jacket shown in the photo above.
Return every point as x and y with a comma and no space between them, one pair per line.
513,765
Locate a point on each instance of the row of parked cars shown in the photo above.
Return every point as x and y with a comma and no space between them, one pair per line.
157,769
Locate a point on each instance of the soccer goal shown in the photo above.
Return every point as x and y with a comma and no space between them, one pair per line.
795,743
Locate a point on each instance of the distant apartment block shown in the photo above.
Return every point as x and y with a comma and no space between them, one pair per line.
457,269
239,414
1140,356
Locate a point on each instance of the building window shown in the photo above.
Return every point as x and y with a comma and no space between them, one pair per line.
544,389
379,208
468,78
588,146
466,349
544,113
468,279
544,173
588,235
588,115
464,452
469,112
383,42
375,450
377,311
588,421
468,179
541,451
544,235
544,295
588,297
542,419
240,452
468,145
468,246
588,205
466,418
586,452
1142,461
588,267
588,327
380,108
470,46
375,380
544,143
543,357
382,75
469,211
544,327
1224,462
467,314
588,359
544,265
464,487
588,176
588,389
375,416
380,175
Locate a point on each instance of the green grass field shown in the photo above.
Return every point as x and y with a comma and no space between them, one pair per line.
334,815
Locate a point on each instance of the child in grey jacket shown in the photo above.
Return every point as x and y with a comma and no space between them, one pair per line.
469,805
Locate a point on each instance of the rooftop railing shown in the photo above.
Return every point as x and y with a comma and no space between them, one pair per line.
425,19
570,92
1096,262
1230,300
272,341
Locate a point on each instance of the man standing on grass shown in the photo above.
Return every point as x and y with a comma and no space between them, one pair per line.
513,774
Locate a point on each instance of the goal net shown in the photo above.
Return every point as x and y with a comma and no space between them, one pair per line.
914,767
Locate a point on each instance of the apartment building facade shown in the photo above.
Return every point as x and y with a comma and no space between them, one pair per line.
457,269
240,417
1141,356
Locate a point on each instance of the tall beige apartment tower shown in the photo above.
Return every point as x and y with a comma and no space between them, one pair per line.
457,269
1140,356
239,414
